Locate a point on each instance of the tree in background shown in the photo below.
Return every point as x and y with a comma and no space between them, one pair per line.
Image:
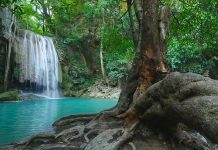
77,28
193,44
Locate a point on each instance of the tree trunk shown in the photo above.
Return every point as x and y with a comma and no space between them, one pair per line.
150,64
151,60
88,51
47,22
132,25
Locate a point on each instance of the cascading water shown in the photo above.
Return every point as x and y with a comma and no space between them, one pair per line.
38,63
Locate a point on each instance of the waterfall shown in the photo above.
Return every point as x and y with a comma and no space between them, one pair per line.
38,63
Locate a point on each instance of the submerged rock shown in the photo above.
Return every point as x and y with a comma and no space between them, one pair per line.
10,96
30,96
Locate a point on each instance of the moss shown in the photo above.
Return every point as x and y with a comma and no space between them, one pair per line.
10,96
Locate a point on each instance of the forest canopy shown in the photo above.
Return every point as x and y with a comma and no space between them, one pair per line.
97,37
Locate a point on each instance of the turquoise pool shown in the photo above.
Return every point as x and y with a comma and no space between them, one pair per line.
20,120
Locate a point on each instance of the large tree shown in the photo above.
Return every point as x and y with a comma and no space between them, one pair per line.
150,61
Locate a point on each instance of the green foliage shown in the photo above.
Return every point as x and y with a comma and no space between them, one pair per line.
4,3
10,96
75,74
193,43
193,31
115,72
117,46
119,53
29,17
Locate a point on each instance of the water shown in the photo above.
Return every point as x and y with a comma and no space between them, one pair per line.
20,120
38,64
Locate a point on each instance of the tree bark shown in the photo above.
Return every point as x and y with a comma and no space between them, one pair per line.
88,51
150,63
46,16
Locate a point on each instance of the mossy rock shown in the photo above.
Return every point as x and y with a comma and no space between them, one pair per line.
10,96
74,93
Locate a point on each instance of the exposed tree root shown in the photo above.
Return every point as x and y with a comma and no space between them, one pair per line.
190,99
71,134
70,121
89,135
132,145
35,141
187,98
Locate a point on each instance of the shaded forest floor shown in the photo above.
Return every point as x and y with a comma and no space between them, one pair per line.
101,90
98,89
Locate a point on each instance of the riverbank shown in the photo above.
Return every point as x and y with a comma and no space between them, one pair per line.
97,90
100,90
12,95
